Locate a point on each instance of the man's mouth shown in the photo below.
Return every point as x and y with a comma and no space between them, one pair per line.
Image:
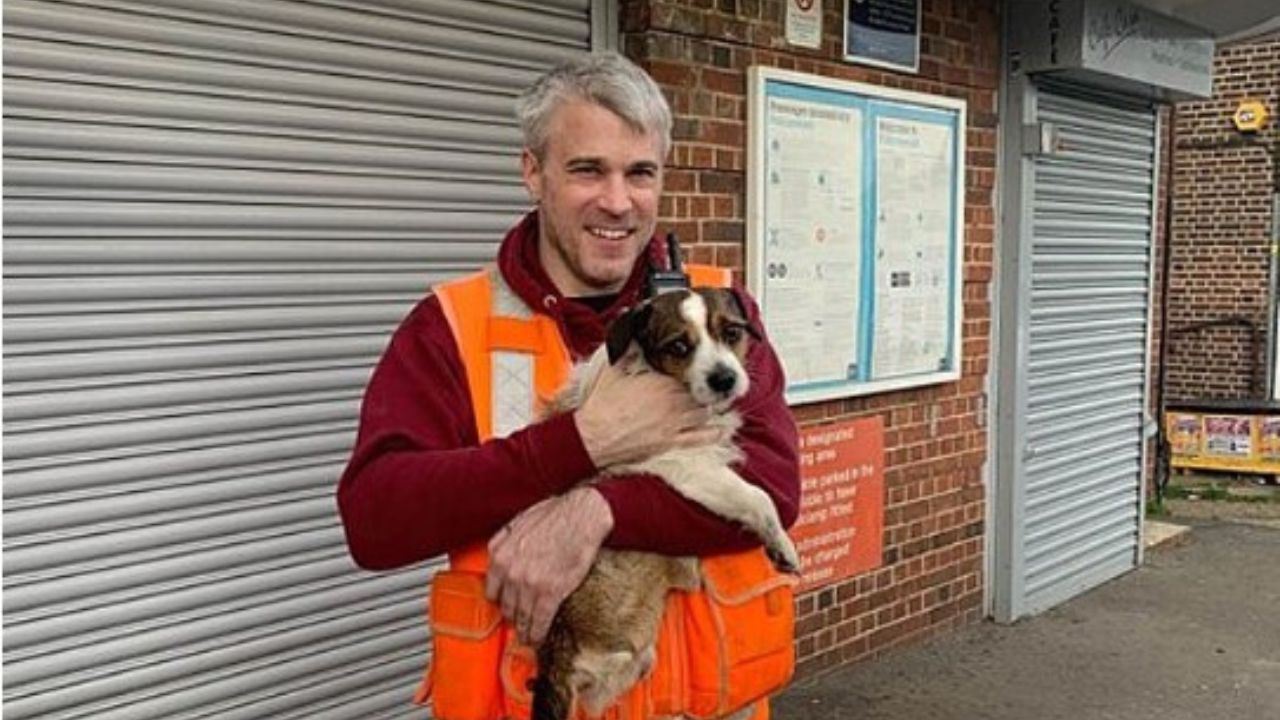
609,233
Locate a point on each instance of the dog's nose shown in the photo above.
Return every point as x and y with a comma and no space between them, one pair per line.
722,379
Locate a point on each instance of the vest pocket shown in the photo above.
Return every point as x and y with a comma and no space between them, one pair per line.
740,633
519,666
466,649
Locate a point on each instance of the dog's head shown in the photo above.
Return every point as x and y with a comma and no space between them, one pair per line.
698,337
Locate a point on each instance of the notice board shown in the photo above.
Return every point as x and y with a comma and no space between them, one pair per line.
840,530
855,218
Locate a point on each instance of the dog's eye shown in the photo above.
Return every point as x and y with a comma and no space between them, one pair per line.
677,349
731,333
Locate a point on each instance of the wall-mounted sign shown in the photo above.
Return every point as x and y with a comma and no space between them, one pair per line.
1250,116
855,215
885,33
804,23
1241,441
840,531
1115,44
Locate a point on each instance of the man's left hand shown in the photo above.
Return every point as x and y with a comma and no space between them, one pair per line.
543,555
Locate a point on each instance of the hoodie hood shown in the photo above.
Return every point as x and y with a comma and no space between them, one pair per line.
581,327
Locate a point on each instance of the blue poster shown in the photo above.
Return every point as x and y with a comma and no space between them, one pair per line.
885,33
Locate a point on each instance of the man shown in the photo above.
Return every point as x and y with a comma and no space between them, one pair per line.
423,481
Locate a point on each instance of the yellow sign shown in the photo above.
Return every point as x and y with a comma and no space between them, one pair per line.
1250,116
1224,441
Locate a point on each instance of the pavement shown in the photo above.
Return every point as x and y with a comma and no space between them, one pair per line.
1193,634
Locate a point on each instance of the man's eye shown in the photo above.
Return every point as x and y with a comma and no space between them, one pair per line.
585,170
677,349
643,177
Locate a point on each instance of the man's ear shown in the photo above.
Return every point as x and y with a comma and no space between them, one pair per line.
623,331
531,171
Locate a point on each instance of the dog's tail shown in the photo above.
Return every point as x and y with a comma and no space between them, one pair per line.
553,687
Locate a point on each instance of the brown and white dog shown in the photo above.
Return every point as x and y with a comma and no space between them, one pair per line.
602,639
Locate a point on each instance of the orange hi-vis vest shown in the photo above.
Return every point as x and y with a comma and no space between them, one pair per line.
720,649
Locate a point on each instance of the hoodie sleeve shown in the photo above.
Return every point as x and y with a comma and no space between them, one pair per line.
649,515
419,482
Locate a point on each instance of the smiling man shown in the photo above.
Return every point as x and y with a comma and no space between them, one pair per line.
452,455
597,188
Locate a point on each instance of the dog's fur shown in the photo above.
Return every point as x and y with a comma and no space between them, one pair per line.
602,639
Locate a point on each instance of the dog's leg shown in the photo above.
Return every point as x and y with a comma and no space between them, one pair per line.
602,677
740,500
684,573
722,491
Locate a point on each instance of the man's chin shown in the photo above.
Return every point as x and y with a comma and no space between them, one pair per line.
607,279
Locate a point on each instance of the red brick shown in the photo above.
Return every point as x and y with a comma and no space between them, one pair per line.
1221,223
702,54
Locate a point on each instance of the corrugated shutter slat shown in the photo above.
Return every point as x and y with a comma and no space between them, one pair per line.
216,211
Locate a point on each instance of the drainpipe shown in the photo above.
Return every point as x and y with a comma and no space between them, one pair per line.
1163,450
1273,270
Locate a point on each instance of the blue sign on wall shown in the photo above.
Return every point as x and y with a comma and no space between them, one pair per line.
885,33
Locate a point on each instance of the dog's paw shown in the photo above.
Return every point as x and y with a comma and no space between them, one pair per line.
783,555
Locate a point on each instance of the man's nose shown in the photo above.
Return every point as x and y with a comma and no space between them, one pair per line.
615,197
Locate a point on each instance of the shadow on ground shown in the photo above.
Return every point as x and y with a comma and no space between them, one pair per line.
1194,634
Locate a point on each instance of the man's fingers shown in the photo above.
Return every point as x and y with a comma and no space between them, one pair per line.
695,418
543,612
491,586
698,436
497,565
524,620
538,631
493,580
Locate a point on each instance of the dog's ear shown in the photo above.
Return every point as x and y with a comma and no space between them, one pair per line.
735,301
624,329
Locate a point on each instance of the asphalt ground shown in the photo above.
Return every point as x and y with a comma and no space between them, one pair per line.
1193,634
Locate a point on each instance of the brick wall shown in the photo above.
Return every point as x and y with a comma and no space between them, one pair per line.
1223,184
935,439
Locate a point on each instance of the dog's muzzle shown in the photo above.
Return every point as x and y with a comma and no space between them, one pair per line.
722,380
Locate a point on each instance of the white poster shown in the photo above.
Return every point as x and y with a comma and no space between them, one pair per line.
812,237
804,23
855,208
913,246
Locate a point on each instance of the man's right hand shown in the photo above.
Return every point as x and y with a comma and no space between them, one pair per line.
630,418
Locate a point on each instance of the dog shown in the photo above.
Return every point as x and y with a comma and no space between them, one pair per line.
601,641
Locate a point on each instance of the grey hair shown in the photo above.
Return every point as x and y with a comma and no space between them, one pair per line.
606,79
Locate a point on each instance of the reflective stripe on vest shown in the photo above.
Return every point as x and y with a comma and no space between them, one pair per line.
527,360
512,372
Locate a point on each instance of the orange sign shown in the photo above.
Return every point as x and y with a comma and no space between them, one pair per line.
840,531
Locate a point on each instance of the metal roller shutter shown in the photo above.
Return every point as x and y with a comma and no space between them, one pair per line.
1084,319
216,210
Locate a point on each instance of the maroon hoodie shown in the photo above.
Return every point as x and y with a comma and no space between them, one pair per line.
420,483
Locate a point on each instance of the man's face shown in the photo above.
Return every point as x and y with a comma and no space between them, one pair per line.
597,188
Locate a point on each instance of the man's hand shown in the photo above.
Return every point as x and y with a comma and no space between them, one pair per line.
543,555
630,418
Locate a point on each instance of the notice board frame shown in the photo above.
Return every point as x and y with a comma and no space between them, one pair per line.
875,104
